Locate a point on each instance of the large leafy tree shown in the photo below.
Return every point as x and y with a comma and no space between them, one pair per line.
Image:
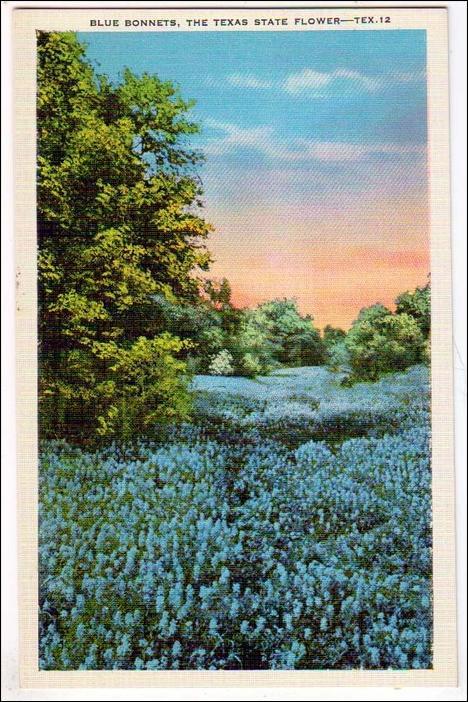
118,223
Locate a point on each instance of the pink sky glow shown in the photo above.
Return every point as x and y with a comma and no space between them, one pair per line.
334,262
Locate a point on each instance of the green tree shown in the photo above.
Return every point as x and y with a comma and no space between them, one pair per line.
200,323
297,341
332,335
253,349
417,304
336,352
274,334
219,293
118,224
380,342
219,298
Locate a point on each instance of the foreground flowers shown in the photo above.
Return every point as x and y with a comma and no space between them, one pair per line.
224,547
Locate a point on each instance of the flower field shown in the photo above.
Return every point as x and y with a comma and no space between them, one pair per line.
287,527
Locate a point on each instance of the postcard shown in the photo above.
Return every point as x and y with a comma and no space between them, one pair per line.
234,349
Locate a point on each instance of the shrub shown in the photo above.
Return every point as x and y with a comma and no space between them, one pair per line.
221,364
381,342
251,365
152,388
123,391
338,357
418,305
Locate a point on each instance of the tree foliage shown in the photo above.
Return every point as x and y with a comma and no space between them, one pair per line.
274,334
118,225
257,339
332,335
417,304
380,341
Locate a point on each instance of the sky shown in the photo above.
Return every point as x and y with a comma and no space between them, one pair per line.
315,176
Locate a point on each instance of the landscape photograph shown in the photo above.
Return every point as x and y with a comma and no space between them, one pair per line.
234,319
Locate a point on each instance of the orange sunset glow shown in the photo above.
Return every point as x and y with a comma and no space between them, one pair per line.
333,262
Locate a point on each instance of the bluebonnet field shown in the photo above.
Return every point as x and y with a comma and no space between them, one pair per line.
289,527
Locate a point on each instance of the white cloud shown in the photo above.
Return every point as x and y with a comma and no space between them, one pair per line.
309,80
335,151
234,137
306,80
408,77
361,79
346,151
266,142
240,80
314,83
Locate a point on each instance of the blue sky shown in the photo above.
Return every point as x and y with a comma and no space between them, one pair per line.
259,78
326,101
298,128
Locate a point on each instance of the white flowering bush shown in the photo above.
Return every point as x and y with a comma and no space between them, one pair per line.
221,364
225,547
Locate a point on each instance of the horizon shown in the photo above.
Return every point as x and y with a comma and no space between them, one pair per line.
315,142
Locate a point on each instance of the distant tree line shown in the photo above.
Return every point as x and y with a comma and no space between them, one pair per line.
225,340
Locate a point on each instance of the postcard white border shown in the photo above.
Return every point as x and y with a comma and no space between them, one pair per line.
444,673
